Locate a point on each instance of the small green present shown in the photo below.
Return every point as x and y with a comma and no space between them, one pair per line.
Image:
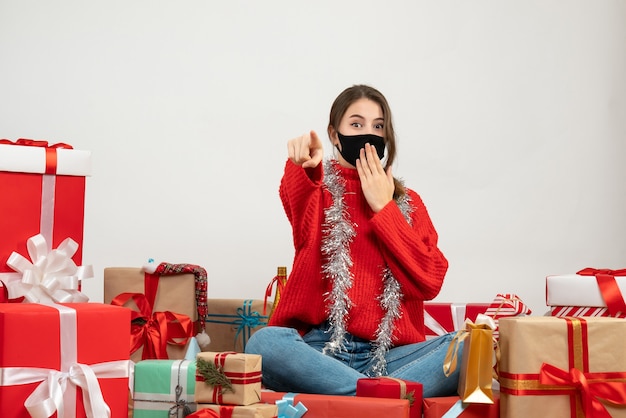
164,388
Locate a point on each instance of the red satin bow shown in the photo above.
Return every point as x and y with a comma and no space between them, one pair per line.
4,295
591,386
608,287
157,329
204,413
35,143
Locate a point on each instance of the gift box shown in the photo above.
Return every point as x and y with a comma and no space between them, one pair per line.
164,388
326,406
601,289
228,378
231,322
452,406
562,311
562,367
443,318
161,300
43,192
87,341
258,410
390,387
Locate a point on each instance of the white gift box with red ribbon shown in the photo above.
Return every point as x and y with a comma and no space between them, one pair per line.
576,294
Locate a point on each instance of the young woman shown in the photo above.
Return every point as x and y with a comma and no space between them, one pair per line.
366,258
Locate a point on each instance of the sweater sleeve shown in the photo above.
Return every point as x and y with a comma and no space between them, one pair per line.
411,251
299,192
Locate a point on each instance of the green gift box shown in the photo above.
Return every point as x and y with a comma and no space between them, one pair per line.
164,388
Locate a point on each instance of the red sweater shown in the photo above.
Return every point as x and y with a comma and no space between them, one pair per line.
383,238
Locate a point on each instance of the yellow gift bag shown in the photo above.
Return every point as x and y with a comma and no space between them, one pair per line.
477,360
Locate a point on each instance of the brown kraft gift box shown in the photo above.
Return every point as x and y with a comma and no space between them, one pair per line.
175,293
231,322
562,367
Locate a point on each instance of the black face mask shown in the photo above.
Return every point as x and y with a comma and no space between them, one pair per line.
351,146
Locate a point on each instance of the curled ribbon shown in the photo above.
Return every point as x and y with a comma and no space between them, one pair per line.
482,322
180,405
590,390
50,277
155,330
280,284
286,408
608,288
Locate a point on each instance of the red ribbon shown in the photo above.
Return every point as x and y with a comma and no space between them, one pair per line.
608,288
155,330
280,284
35,143
51,150
584,388
591,386
204,413
4,295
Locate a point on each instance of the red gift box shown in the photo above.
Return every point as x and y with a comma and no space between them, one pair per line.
442,318
331,406
438,407
41,346
388,387
43,192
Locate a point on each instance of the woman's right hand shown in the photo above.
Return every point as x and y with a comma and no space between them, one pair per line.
306,150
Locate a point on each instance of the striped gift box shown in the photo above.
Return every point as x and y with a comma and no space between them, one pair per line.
578,311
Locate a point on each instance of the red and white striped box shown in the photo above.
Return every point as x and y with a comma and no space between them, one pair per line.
578,311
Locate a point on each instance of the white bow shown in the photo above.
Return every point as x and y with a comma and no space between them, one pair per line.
49,277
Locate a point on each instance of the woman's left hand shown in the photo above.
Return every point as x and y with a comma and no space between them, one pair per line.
377,185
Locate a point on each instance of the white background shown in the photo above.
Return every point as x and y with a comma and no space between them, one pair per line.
510,115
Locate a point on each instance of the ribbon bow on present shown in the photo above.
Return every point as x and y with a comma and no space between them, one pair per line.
592,387
608,288
50,276
154,330
286,409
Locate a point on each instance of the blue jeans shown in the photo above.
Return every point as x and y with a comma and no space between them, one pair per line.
292,363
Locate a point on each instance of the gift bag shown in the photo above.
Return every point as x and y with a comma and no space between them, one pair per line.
477,359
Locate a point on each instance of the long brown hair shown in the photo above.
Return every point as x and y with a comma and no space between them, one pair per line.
360,91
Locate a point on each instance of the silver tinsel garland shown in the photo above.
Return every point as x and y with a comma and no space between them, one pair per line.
338,232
